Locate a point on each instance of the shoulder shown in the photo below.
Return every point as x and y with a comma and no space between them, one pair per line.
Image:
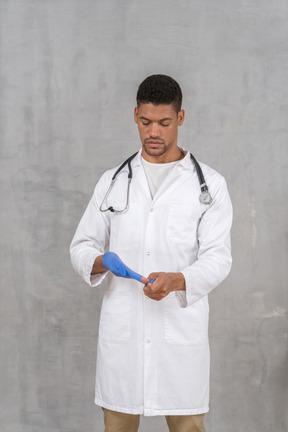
212,177
105,179
210,173
215,181
108,174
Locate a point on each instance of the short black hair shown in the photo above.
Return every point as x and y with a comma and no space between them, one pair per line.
160,89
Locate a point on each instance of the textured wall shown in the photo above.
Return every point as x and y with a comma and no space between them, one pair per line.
69,71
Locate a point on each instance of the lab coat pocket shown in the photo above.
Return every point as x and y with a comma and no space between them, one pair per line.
182,223
185,326
124,230
115,319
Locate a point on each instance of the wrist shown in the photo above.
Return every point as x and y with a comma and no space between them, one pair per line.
178,282
98,266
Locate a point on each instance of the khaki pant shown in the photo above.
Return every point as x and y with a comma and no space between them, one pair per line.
121,422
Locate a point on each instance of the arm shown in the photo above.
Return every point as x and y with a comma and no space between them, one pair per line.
92,238
214,258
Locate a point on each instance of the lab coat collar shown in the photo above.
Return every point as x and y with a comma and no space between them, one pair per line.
185,162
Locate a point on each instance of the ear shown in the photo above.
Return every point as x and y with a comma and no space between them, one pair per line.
181,116
136,114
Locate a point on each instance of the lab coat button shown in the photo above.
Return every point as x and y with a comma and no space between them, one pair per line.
148,253
151,209
148,340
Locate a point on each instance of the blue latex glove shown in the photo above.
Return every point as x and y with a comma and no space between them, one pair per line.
112,262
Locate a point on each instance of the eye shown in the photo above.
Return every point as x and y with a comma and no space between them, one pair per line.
145,124
165,125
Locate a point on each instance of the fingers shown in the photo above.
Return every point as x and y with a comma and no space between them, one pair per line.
144,280
156,288
148,288
150,282
153,276
151,290
152,295
152,279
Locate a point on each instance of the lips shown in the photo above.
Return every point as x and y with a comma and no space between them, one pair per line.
154,142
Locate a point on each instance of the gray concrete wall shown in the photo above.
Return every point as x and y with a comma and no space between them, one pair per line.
69,71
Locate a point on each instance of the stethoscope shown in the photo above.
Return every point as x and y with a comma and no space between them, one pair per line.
204,196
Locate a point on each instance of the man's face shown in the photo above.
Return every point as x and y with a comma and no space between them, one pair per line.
158,130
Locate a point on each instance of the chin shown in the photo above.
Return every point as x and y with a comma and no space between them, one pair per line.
154,152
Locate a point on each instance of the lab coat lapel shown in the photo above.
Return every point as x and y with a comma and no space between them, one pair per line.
170,182
139,175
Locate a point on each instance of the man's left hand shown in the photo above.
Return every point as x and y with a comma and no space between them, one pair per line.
163,285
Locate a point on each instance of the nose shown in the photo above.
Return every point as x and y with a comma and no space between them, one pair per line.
154,130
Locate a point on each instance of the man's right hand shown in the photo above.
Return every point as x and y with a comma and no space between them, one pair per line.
111,261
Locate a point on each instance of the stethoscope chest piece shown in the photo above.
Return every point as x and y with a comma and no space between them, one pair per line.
205,198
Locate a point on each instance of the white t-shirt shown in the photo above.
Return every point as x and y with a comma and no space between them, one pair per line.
155,173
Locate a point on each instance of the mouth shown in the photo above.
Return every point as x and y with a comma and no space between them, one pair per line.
153,143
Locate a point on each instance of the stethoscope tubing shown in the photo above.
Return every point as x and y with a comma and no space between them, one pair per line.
128,161
204,197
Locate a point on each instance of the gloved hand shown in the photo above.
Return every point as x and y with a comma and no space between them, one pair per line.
112,262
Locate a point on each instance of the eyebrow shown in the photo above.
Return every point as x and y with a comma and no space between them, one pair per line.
166,118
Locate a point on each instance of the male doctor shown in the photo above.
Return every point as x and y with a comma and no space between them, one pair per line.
153,349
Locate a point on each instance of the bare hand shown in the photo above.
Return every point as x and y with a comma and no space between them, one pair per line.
163,285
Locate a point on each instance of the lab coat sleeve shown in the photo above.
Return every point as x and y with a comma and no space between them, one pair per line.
91,238
214,258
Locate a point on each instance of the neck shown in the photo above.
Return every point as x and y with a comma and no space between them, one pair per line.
175,156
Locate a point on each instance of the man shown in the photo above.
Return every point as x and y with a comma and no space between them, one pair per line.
153,349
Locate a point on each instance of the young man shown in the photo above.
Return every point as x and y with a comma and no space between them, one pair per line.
153,348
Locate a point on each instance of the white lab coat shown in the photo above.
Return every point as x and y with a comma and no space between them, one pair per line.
153,356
